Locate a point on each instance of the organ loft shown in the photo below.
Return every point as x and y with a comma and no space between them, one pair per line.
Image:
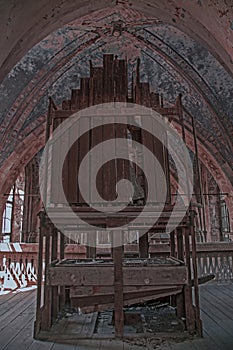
115,279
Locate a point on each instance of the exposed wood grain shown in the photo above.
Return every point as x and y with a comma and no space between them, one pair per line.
217,321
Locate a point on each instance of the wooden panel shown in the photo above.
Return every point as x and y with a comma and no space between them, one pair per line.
96,86
95,275
74,104
84,147
65,145
78,291
121,80
96,138
145,94
143,246
97,133
154,100
84,93
66,104
81,275
118,297
129,298
72,169
162,275
148,165
109,170
61,115
159,152
108,79
122,165
56,164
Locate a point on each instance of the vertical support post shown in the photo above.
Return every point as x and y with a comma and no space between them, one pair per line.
180,244
118,283
143,246
54,243
180,298
62,255
172,244
188,298
39,275
195,274
46,315
91,247
199,179
54,289
13,216
62,246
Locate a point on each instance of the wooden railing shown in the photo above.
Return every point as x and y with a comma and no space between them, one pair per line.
212,258
216,258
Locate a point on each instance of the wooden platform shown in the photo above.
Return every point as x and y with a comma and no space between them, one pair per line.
17,313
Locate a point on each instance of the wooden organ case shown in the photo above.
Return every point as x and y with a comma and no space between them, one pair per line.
95,284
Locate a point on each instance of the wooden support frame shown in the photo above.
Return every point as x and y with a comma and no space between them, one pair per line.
116,282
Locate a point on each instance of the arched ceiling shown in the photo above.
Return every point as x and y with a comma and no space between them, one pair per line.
24,23
185,47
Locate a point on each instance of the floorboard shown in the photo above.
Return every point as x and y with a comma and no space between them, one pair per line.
17,314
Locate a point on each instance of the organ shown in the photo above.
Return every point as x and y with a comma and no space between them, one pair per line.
96,284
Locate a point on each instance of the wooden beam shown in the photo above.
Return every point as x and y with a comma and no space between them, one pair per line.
118,283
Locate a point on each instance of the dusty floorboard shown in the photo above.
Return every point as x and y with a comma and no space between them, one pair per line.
17,316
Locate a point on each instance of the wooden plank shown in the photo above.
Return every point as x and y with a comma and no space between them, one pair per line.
12,301
74,105
137,87
11,310
84,148
96,86
148,166
121,80
81,275
65,145
180,244
66,104
143,246
129,298
118,283
97,139
84,93
60,115
109,169
22,318
195,276
108,79
145,94
55,161
217,334
155,102
38,345
23,338
76,292
95,275
159,275
58,346
122,165
46,314
72,168
161,154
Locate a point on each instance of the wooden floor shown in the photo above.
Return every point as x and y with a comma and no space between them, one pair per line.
17,316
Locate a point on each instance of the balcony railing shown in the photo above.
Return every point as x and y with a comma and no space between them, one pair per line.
212,258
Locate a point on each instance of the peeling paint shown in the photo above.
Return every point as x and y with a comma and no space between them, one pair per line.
48,70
